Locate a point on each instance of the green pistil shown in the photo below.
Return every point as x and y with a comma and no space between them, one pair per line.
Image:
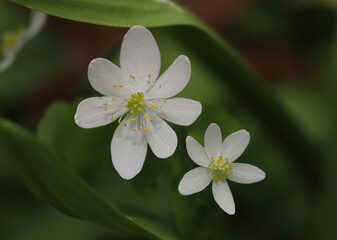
136,103
220,168
9,39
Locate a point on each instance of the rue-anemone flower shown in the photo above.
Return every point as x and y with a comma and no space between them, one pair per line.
139,100
217,165
12,42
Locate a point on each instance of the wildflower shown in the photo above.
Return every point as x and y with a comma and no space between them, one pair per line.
217,165
139,100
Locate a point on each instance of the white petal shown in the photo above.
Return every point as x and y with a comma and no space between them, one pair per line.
8,58
140,57
213,141
223,196
234,145
246,173
180,111
98,111
161,137
37,21
108,79
194,181
128,151
173,80
197,152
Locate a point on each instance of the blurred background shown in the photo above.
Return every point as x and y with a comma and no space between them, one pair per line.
291,45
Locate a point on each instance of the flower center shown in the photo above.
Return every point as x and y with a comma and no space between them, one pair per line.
9,39
136,103
220,168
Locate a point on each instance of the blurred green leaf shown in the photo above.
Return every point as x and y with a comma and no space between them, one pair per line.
213,113
84,150
115,12
45,175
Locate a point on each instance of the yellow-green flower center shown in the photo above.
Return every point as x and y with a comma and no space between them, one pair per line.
136,103
220,168
9,39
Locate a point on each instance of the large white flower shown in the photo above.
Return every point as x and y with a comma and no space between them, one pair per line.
139,101
14,41
216,164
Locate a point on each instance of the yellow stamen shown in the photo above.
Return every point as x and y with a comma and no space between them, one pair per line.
9,39
136,103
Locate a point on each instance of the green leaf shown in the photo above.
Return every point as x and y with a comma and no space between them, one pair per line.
78,147
49,178
115,12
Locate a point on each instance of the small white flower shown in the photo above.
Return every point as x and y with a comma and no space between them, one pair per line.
14,41
216,164
135,92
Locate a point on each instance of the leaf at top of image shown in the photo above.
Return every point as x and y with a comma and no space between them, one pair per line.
115,12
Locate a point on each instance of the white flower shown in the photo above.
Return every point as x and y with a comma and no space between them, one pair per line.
14,41
133,91
216,164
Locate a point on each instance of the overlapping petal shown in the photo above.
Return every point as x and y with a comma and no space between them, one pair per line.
173,80
223,196
246,173
180,111
140,57
234,145
197,152
128,151
161,137
108,79
194,181
98,111
213,141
